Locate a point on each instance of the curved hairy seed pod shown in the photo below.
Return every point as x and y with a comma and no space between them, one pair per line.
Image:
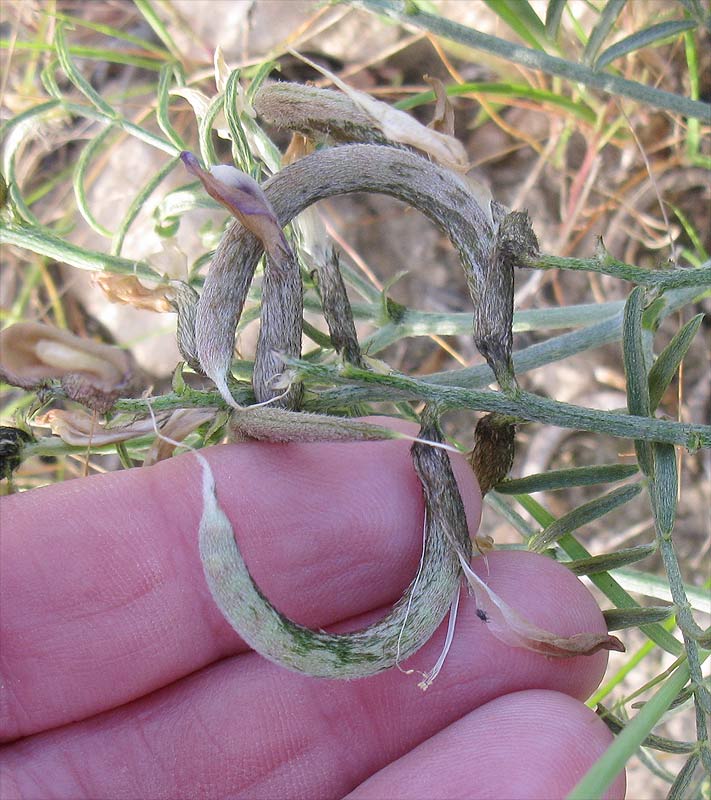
279,330
438,193
413,619
337,309
266,423
185,304
316,113
282,292
493,322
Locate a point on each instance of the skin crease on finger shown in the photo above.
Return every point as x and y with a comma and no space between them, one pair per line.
108,645
568,736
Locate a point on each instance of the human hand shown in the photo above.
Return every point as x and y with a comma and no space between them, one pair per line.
120,678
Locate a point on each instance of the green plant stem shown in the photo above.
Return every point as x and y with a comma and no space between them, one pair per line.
520,405
54,446
412,322
655,278
536,59
538,355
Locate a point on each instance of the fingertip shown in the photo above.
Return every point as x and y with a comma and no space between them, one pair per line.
528,745
550,596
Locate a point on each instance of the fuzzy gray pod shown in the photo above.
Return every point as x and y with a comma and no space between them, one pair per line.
382,645
437,192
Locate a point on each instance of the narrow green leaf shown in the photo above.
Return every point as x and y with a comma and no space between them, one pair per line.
693,133
680,788
619,618
634,354
522,19
181,200
75,76
665,367
425,323
536,59
636,370
93,53
602,28
241,154
26,122
45,243
658,587
583,515
207,146
604,581
141,133
260,76
616,725
137,204
49,79
43,189
523,405
510,515
573,107
92,147
664,488
644,38
15,131
608,561
684,695
554,14
114,33
607,265
163,107
690,230
149,14
124,457
605,770
565,478
694,8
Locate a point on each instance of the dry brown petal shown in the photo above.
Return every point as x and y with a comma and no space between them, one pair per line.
510,627
128,289
180,424
443,119
76,427
299,146
34,352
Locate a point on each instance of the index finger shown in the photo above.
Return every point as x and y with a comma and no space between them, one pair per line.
104,598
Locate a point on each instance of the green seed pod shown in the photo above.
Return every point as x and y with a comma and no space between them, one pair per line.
493,453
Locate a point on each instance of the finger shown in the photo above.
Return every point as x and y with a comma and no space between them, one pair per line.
245,727
491,753
104,597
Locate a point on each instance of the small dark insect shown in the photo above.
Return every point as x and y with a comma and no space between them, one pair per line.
483,616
